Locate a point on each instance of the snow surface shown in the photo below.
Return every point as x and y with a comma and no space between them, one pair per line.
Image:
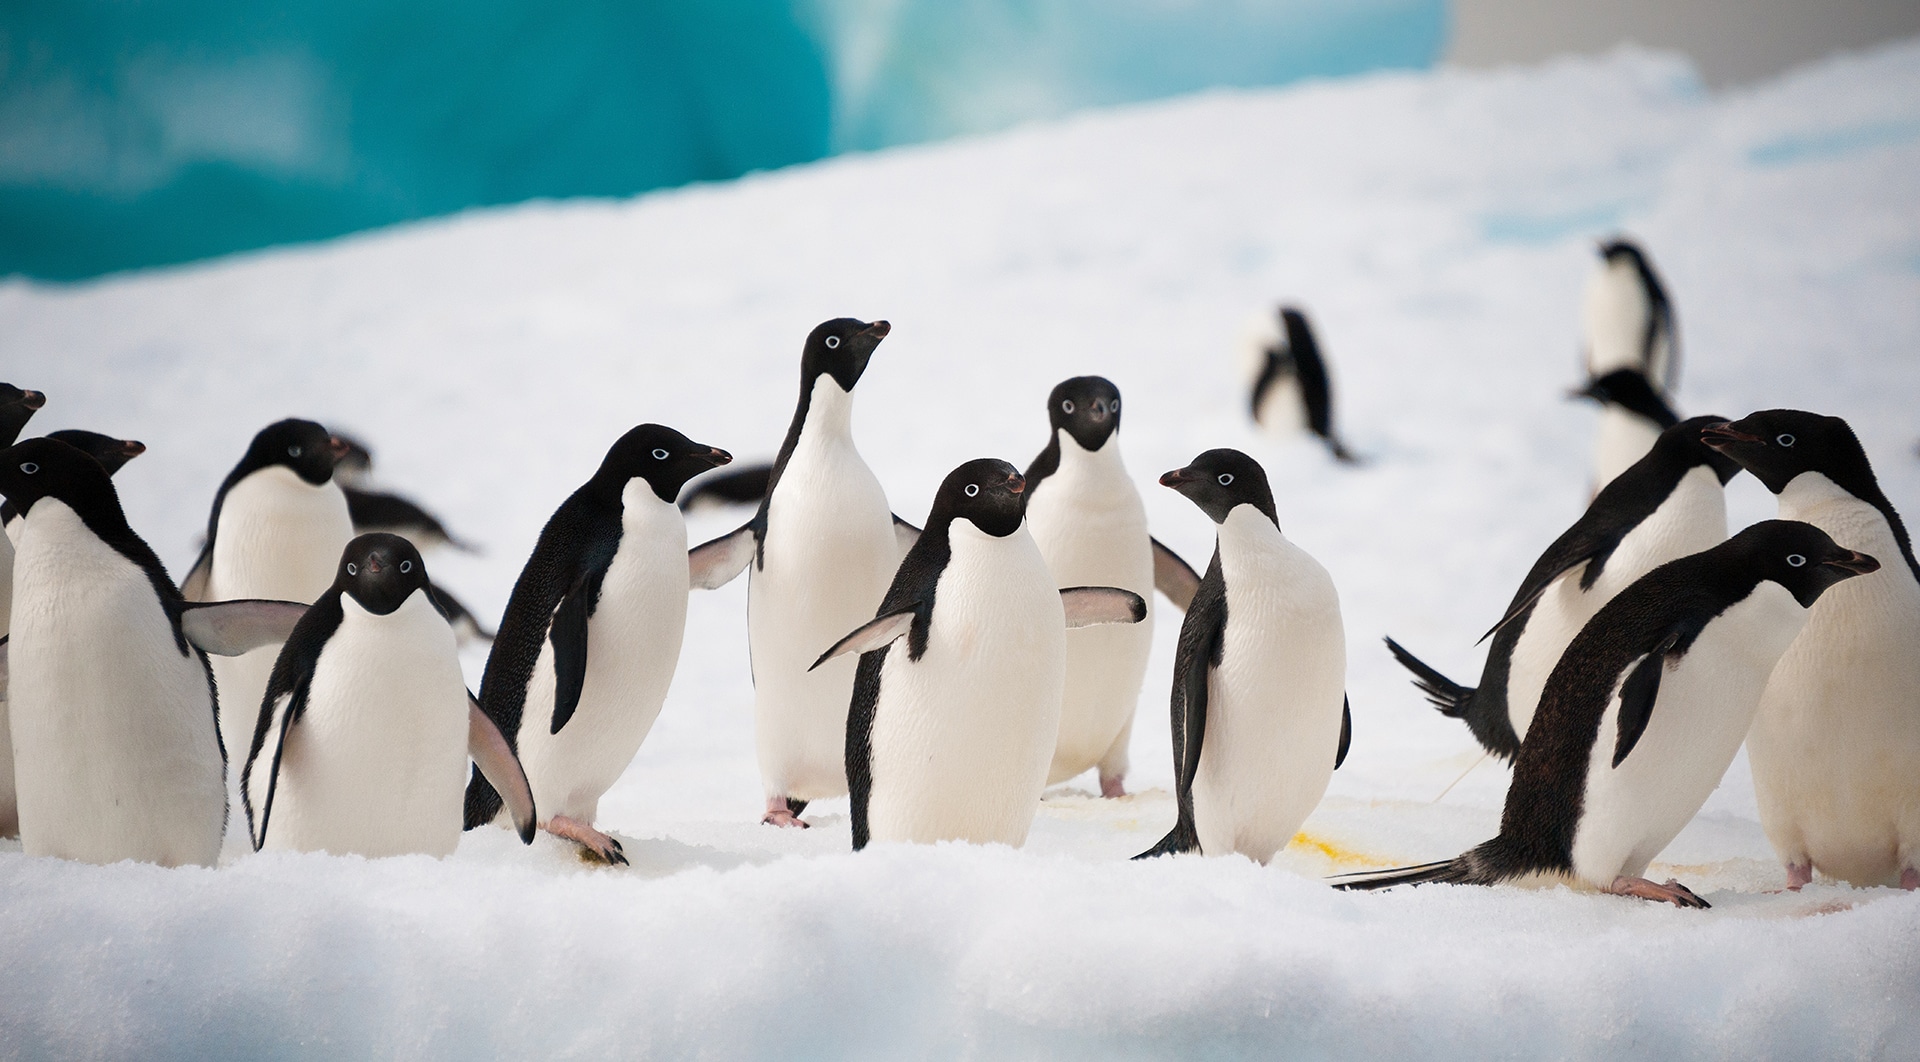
1437,226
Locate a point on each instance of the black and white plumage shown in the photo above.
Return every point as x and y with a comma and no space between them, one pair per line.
592,632
1259,707
1628,318
1291,389
1670,504
1632,415
113,705
1836,745
949,732
17,406
746,485
1644,712
362,741
113,455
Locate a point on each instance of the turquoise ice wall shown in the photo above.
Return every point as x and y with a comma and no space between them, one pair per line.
141,132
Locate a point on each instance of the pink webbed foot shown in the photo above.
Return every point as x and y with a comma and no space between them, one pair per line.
784,811
1910,879
1672,892
1113,787
591,841
1799,876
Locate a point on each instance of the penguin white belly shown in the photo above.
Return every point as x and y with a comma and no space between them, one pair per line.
1089,524
1274,703
1616,312
962,737
113,725
1702,713
377,764
829,554
633,647
9,812
1836,746
1282,411
279,537
1623,439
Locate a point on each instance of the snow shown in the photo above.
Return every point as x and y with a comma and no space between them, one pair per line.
1438,228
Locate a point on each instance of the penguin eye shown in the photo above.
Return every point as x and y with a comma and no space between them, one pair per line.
1114,406
833,342
1066,406
29,468
1785,440
1795,560
659,455
294,451
973,489
1226,479
352,568
406,566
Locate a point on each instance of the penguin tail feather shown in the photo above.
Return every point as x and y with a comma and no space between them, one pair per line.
1181,838
1451,698
1450,871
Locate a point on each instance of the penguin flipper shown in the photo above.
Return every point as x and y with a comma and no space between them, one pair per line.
496,762
877,633
1195,657
569,636
1087,606
276,719
194,586
1173,577
230,628
741,485
1346,732
715,563
1637,694
904,534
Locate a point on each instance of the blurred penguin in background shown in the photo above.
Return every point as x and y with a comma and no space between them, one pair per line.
1632,416
1290,388
1632,355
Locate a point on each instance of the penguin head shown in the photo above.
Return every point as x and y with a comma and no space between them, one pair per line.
1622,251
1777,445
663,457
1800,557
112,453
356,463
1632,391
380,571
49,468
300,445
16,408
988,493
840,348
1685,446
1220,481
1087,408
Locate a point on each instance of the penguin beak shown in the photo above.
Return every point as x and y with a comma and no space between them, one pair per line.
337,447
878,330
132,448
1177,478
1590,391
374,567
715,457
1720,436
1016,482
32,399
1856,563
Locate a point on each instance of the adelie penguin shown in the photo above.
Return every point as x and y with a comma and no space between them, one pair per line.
822,547
1086,516
1291,391
1632,416
114,709
592,633
1259,706
362,741
1836,745
17,406
1628,319
1644,712
1670,504
278,524
956,705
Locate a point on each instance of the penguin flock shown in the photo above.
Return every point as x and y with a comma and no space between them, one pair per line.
943,676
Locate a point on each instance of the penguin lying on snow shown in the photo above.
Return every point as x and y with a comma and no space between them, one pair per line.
1085,515
1644,712
1291,390
362,741
949,734
1259,707
1836,746
1670,504
117,752
1628,318
1632,416
592,633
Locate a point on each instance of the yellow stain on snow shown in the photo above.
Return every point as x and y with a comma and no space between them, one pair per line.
1334,853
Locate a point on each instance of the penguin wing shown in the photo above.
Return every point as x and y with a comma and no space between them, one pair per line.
569,636
494,757
1088,606
194,586
715,563
879,633
1195,657
230,628
1637,694
282,706
1315,389
742,485
1346,732
1173,577
372,510
904,534
1588,542
277,716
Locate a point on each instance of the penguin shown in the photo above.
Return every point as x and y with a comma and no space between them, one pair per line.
735,486
1086,516
1628,319
1259,706
1670,504
592,632
277,526
949,735
1632,416
1291,389
362,741
113,704
17,406
1836,745
823,547
112,453
1644,712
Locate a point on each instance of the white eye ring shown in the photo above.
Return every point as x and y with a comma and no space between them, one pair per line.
973,489
1114,406
29,468
352,568
1785,440
1795,560
1226,479
833,342
659,455
406,566
1066,406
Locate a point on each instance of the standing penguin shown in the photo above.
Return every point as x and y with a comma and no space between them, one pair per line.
277,527
1628,318
1632,416
592,633
362,741
823,546
1291,389
1836,746
17,406
1670,504
950,734
113,705
1259,705
1645,711
1086,517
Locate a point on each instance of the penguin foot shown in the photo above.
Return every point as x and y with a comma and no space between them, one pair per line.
1910,879
1113,788
1799,875
591,841
1672,892
782,812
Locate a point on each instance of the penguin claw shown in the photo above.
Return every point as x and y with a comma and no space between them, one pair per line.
1113,788
1799,875
593,844
1910,879
1672,892
784,812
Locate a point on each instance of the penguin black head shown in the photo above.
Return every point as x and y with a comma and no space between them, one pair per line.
1799,557
49,468
380,571
300,445
663,457
1219,481
1685,446
1087,408
1621,249
112,453
840,348
1630,390
988,492
1777,445
16,408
